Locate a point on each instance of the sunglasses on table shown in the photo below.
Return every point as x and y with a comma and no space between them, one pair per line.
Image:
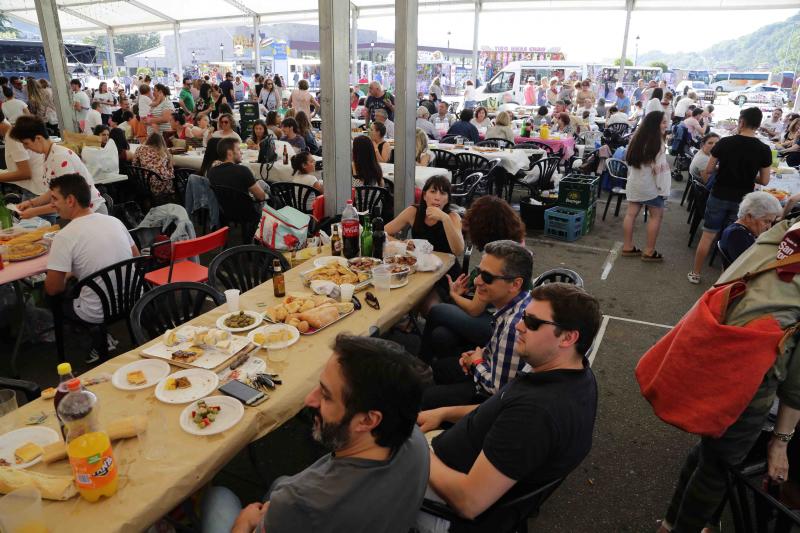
533,323
489,278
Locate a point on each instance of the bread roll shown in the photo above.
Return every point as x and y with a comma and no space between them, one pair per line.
52,487
320,316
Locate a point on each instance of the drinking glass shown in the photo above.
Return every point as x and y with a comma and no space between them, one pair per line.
8,401
21,510
232,298
381,278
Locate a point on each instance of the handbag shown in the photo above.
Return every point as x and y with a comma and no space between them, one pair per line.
282,229
702,375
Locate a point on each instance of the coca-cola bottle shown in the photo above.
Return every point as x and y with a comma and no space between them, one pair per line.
350,240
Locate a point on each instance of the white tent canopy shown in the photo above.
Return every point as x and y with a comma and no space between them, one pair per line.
121,16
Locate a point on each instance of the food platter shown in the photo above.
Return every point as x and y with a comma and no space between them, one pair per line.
23,252
201,384
230,413
154,370
208,356
39,435
252,314
291,333
309,314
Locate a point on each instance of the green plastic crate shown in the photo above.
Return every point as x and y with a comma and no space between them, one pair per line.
588,220
577,191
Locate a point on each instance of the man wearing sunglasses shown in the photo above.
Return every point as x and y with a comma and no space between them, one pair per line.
536,429
465,373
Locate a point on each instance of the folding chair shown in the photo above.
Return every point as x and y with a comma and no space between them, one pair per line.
180,268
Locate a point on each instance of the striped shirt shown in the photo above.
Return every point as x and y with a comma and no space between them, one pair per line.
500,363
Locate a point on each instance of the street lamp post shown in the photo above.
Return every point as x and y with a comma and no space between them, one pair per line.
146,65
371,47
448,46
636,53
221,52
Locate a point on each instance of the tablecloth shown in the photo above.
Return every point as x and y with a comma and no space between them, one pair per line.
567,145
148,489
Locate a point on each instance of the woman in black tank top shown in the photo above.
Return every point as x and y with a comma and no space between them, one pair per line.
377,133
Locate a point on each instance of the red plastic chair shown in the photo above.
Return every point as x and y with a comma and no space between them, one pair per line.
179,268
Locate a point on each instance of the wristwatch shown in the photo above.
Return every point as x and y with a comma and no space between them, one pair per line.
783,437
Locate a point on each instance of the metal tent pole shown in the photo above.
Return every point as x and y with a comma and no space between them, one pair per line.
50,28
475,42
334,33
405,116
629,4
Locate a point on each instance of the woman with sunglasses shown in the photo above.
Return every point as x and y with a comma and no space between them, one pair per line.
270,96
225,130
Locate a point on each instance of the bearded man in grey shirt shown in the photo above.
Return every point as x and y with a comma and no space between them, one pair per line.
365,408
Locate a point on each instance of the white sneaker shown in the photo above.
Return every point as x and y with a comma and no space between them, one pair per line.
693,278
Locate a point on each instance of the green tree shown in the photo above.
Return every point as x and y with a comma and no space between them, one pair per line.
661,64
127,43
628,62
6,27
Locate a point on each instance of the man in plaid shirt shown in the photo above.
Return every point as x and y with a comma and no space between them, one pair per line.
503,280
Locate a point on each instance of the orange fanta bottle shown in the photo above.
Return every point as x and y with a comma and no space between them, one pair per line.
88,448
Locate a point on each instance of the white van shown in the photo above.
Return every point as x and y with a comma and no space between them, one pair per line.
514,77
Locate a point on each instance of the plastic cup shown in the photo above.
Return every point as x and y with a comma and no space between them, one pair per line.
232,298
21,511
346,291
382,278
8,401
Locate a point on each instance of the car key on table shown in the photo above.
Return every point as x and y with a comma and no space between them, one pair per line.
372,301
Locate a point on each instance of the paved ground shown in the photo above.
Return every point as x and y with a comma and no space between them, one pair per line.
627,479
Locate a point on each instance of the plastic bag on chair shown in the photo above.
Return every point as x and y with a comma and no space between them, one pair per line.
101,160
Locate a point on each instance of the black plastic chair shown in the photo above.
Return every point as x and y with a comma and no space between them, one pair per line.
181,179
475,184
618,129
495,142
244,267
559,275
28,389
238,208
445,159
726,260
547,167
448,139
296,195
141,178
170,306
618,170
755,510
536,145
118,286
469,163
371,199
505,516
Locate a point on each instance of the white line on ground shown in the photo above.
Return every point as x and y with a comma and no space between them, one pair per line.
640,322
568,244
612,257
598,339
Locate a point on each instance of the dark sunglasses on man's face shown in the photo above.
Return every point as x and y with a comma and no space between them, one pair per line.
489,278
533,323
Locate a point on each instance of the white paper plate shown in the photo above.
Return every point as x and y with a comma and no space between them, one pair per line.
256,316
154,370
14,439
266,330
325,261
232,411
203,383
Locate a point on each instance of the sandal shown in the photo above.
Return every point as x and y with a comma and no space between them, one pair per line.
655,256
633,252
693,278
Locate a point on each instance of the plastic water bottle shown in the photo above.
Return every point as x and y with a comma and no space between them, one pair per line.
350,244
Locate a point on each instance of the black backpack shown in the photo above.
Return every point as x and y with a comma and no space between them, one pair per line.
266,151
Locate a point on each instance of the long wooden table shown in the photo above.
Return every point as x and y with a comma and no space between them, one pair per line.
151,488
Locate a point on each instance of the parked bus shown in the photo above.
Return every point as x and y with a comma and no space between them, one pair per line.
737,81
682,74
26,58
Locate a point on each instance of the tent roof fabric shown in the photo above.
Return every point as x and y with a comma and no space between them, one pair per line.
129,16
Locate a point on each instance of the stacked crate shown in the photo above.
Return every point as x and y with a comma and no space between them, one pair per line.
579,192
